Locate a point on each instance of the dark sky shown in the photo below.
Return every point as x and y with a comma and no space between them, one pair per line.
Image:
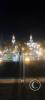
23,18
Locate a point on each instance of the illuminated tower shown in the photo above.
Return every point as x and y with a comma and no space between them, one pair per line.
31,40
13,40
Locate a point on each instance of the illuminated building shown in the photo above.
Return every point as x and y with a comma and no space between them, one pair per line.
17,52
36,52
13,40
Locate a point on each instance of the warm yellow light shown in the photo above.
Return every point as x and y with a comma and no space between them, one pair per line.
25,54
1,61
13,51
44,50
27,60
38,46
22,48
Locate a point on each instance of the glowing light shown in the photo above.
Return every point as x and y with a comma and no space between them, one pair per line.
22,48
13,39
1,60
13,51
30,37
1,53
15,58
38,46
27,60
44,50
25,54
39,53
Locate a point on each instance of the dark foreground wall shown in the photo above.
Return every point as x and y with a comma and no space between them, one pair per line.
20,92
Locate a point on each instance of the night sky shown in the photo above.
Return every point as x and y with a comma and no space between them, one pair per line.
23,18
